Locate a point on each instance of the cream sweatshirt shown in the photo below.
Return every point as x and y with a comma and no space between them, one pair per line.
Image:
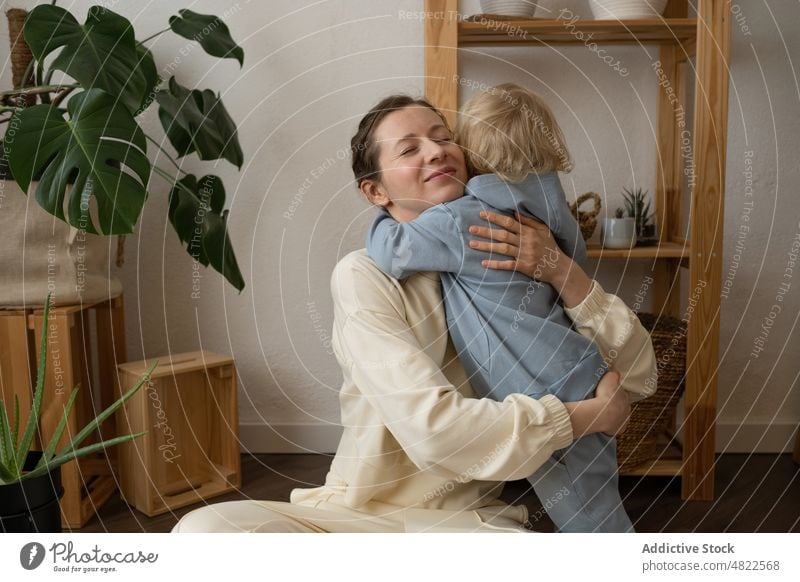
415,436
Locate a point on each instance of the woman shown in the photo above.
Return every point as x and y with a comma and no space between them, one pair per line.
419,452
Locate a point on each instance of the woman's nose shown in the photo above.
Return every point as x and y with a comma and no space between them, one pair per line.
434,150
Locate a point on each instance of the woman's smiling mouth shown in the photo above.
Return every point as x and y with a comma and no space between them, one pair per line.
444,172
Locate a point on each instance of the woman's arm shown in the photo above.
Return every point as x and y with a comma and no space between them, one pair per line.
621,338
607,412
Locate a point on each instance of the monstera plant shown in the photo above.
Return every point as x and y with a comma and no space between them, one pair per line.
83,141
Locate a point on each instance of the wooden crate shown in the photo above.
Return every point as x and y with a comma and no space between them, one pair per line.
16,363
191,450
72,330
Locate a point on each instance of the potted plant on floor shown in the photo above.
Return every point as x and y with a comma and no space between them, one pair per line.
30,481
81,150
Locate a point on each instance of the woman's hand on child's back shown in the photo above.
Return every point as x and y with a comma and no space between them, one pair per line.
533,252
529,244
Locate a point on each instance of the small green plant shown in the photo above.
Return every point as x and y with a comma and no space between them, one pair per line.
619,213
637,209
14,451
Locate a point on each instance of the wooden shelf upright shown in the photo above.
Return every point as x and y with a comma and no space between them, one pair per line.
707,39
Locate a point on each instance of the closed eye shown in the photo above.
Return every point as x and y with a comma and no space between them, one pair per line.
440,140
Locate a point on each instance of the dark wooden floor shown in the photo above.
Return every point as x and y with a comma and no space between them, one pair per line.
755,493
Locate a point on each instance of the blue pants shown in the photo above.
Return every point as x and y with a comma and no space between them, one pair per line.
578,486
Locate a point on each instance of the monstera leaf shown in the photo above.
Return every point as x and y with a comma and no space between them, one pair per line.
95,149
196,121
209,31
100,146
147,65
195,211
102,53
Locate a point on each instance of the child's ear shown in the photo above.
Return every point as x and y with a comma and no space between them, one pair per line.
374,193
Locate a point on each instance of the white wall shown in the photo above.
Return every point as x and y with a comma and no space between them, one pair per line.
312,69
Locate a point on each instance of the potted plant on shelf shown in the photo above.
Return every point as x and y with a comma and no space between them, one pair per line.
640,212
81,150
30,481
618,232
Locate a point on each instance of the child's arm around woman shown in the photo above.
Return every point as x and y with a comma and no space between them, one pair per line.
430,242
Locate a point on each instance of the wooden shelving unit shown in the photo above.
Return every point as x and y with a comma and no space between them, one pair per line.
707,38
665,250
537,31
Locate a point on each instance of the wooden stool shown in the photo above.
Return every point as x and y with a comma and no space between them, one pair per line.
191,449
72,331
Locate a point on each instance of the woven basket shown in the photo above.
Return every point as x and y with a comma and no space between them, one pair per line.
20,55
586,220
651,416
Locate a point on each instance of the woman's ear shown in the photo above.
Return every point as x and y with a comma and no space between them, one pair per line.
373,192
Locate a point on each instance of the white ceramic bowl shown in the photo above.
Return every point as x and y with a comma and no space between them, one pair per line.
621,9
522,8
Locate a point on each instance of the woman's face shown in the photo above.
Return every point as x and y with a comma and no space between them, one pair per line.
420,164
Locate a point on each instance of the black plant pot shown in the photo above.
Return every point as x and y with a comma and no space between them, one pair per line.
31,505
647,236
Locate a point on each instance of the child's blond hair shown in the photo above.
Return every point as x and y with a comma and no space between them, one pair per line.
510,131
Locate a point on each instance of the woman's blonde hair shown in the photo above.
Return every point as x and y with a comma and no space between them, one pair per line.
510,131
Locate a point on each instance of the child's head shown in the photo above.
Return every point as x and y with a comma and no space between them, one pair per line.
510,131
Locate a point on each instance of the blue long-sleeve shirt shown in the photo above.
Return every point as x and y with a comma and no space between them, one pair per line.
511,332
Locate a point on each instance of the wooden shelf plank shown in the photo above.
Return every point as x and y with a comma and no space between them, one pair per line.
534,31
656,468
667,250
667,463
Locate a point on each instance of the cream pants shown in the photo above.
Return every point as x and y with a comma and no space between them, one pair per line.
327,517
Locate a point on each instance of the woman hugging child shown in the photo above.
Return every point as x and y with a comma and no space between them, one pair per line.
511,332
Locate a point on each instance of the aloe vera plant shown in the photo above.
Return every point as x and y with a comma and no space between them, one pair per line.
636,207
14,450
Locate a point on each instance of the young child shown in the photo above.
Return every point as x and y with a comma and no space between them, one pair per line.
511,332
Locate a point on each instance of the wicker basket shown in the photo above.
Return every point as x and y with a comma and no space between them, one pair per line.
21,56
651,416
586,220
